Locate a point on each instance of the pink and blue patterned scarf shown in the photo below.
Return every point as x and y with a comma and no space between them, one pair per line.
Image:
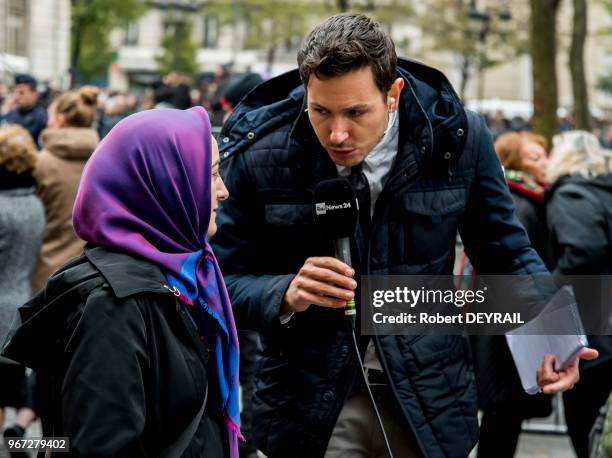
146,190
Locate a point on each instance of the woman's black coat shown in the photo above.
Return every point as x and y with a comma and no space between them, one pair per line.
126,371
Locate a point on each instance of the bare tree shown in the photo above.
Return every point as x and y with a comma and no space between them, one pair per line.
582,118
543,56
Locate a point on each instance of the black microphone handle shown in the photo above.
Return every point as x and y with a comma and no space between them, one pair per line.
343,250
343,253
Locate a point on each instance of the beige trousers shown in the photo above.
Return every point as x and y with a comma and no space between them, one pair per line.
357,432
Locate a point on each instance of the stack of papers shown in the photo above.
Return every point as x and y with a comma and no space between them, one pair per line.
556,330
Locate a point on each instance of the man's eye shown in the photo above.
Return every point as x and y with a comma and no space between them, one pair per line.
355,113
320,110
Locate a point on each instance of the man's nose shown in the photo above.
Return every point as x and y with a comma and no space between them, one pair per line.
339,132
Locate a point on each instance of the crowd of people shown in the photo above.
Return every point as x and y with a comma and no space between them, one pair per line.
26,101
133,341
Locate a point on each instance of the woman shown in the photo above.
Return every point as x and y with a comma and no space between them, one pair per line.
504,403
146,360
524,157
67,143
579,216
22,221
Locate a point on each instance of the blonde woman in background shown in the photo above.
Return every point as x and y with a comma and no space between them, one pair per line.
579,217
68,142
22,221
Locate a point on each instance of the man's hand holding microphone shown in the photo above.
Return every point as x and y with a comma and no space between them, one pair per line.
322,281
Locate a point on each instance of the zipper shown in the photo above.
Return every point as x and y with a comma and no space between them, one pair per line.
377,344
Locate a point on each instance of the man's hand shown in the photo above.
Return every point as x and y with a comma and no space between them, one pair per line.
323,281
557,382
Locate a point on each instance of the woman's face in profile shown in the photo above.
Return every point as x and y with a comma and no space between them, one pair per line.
218,190
534,161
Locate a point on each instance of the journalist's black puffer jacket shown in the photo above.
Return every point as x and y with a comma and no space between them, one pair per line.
446,177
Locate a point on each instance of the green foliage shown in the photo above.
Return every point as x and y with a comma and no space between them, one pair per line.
385,12
276,25
604,83
270,24
179,50
92,22
479,44
606,30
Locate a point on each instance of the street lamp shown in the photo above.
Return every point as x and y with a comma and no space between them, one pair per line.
480,25
480,20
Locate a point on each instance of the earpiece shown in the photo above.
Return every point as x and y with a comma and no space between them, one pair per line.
391,103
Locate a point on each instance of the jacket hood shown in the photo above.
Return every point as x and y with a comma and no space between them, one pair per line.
431,107
33,340
71,143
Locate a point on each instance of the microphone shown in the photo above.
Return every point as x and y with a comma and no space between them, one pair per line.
336,212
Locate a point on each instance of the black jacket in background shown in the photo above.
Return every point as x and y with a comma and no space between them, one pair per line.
124,368
579,217
532,215
33,120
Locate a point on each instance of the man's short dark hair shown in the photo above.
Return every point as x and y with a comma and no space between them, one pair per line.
347,42
25,78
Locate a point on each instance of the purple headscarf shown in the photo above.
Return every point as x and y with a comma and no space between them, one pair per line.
146,190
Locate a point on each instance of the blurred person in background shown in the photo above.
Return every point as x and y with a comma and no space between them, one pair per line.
28,112
216,89
4,97
524,157
116,107
607,135
579,217
173,92
566,123
236,90
67,143
498,124
22,220
137,335
163,96
146,100
500,394
519,124
180,86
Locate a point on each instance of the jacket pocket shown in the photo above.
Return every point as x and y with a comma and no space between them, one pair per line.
429,221
435,202
289,215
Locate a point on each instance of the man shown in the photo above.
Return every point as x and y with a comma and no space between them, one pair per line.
430,168
236,90
28,114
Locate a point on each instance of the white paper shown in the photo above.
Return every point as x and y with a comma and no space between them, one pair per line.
541,336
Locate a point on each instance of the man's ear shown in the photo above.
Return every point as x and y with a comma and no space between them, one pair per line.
393,94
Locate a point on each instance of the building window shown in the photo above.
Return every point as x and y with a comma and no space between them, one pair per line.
211,31
130,36
16,32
